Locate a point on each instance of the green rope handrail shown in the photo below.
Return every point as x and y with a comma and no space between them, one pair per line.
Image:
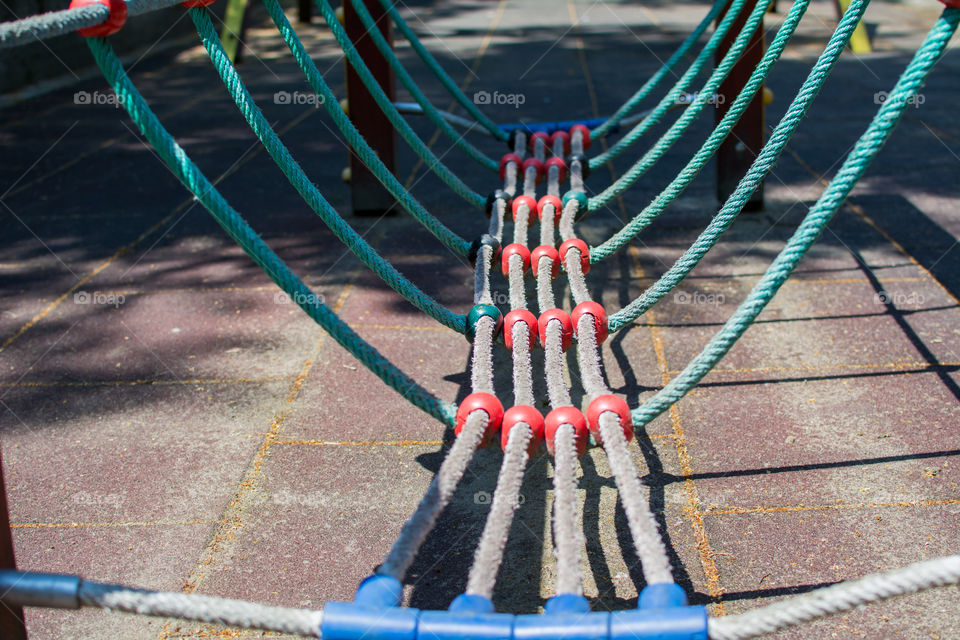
856,163
677,129
399,123
429,110
679,89
765,160
237,228
710,145
445,80
356,141
311,195
654,80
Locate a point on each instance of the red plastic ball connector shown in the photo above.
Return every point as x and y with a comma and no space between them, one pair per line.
531,207
566,333
523,413
560,135
514,249
118,16
539,135
576,243
485,402
601,329
533,162
193,4
557,206
559,163
571,416
617,405
507,159
547,251
512,318
584,134
955,4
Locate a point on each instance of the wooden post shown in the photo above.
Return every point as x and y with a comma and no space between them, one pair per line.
305,10
740,148
12,626
369,197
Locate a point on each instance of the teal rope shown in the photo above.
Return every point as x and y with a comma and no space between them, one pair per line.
703,98
356,141
705,56
857,162
445,80
709,147
428,109
656,78
238,229
758,170
403,128
268,137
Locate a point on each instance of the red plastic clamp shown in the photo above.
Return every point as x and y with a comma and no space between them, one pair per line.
571,416
533,162
599,314
545,250
531,206
566,334
616,404
533,141
118,16
555,201
507,159
511,250
563,135
559,162
585,134
512,318
523,413
576,243
485,402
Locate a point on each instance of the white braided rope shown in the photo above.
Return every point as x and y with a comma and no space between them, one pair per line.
522,367
506,499
547,226
553,180
578,283
840,597
443,485
553,366
545,299
481,365
588,358
530,182
566,220
568,537
643,528
576,175
521,225
576,142
201,608
436,498
517,288
540,149
558,147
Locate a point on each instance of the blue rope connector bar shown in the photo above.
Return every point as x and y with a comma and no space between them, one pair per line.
550,127
375,614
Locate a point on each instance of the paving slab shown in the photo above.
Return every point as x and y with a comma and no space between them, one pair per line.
821,449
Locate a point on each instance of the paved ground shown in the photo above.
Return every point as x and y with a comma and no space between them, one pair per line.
167,422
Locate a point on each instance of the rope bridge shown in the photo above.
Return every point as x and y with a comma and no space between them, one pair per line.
542,157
